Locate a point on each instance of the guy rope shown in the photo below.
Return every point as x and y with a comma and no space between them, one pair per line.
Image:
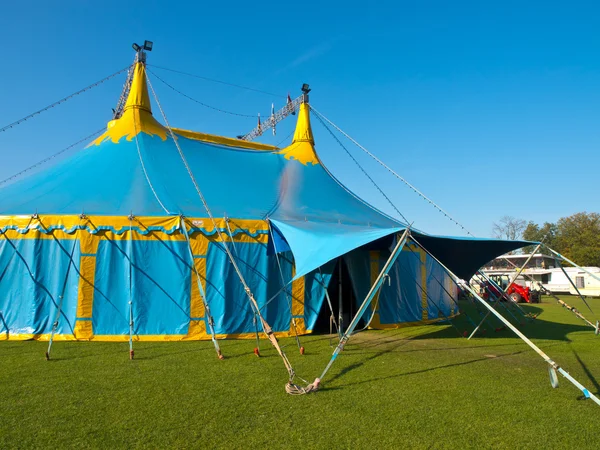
266,327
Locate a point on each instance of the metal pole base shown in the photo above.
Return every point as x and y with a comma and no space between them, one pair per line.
47,356
131,354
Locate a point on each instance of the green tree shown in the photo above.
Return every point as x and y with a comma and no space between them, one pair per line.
546,233
578,238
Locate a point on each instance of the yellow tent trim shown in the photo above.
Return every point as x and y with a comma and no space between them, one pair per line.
302,148
221,140
137,114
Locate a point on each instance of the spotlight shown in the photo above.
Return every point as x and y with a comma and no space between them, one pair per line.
136,47
305,88
148,45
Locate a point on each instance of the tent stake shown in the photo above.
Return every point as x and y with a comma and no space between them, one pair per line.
525,339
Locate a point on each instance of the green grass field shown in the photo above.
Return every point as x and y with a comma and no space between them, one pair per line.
419,387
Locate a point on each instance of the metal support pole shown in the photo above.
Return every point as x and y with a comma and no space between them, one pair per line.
503,291
5,325
288,295
555,297
505,295
130,242
553,365
340,316
574,285
500,303
367,301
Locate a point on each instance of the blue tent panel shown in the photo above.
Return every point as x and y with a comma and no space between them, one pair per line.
29,301
160,287
314,244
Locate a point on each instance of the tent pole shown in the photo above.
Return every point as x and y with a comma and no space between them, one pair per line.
209,319
2,276
495,307
367,301
517,274
503,291
340,315
574,285
287,296
558,300
130,286
505,296
553,365
60,301
499,300
332,315
5,325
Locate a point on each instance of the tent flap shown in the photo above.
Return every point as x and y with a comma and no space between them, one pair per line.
315,243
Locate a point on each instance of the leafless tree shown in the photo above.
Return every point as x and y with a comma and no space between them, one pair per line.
509,228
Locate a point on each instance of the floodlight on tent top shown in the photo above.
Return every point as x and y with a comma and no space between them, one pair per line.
148,45
136,47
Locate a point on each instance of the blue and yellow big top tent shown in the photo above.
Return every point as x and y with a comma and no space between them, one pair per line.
130,238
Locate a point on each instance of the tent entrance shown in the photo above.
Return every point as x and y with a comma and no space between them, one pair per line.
341,293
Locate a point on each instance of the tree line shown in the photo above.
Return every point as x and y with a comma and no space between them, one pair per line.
577,236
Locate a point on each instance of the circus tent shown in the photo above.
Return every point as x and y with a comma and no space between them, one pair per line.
157,233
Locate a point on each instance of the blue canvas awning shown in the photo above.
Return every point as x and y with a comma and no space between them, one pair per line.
314,244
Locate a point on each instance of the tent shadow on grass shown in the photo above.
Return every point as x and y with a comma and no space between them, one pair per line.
533,329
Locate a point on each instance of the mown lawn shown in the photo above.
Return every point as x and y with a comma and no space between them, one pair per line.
419,387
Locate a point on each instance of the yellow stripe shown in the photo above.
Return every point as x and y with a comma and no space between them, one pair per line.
197,328
221,140
143,223
298,287
141,338
85,291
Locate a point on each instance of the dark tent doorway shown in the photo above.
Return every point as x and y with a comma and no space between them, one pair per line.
341,293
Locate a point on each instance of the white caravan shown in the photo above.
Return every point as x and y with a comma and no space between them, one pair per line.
543,270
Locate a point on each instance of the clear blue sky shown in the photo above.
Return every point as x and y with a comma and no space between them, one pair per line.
490,108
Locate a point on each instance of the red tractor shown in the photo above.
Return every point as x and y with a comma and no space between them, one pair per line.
515,292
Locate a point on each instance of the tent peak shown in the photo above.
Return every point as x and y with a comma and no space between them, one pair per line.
302,148
137,113
138,93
